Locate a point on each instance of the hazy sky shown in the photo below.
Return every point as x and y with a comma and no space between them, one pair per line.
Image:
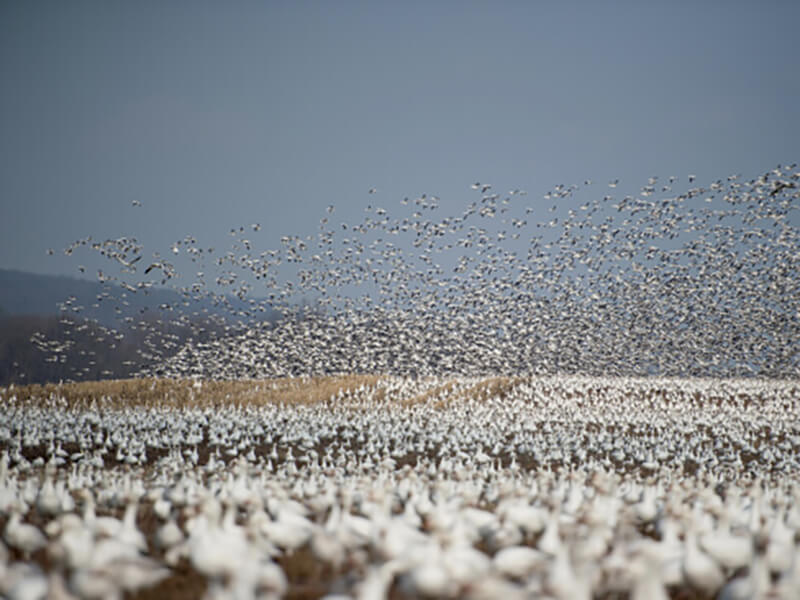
216,115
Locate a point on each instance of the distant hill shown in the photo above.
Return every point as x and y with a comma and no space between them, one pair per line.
96,330
23,293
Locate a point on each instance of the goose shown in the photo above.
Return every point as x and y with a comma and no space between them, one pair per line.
48,501
646,571
24,537
465,564
169,535
530,519
550,542
24,582
431,579
378,579
754,584
780,547
728,550
647,509
57,588
699,569
328,548
395,540
564,581
100,525
130,574
270,580
214,552
518,562
94,585
788,585
289,530
75,541
162,507
128,532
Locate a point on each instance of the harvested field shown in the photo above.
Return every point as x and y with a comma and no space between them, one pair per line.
378,486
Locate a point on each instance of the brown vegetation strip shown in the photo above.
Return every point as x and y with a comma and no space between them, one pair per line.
183,393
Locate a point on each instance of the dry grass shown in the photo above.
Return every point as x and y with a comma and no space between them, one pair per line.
491,387
455,390
435,393
440,393
183,393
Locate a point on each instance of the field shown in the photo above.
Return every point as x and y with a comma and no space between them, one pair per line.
379,486
347,305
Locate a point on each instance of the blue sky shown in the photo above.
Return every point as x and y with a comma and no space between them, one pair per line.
215,115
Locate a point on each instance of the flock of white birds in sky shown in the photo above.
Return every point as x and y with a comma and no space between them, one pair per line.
671,279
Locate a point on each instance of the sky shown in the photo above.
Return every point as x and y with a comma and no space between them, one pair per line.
215,115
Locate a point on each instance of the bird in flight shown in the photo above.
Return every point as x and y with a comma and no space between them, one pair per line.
781,185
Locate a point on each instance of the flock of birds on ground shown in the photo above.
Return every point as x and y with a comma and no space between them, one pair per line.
559,487
672,279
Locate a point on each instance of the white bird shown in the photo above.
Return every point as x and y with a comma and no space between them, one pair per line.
519,561
700,570
24,537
